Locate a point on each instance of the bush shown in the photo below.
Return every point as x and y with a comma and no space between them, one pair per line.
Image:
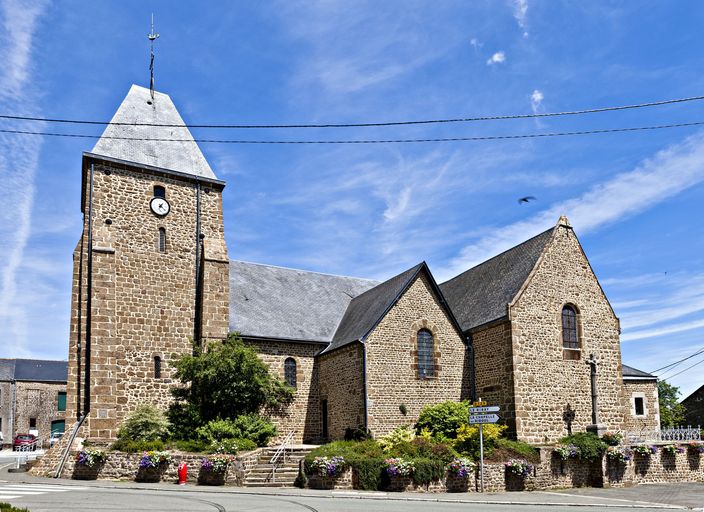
357,434
444,419
591,448
248,426
428,470
403,434
132,446
369,473
348,450
145,423
467,441
233,446
192,445
6,507
424,449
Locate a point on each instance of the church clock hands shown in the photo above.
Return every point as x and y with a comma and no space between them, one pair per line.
159,206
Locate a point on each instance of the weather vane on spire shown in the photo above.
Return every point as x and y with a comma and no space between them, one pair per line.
152,36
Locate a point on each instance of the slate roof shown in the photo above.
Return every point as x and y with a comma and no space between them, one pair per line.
284,303
480,294
367,309
34,370
184,156
633,373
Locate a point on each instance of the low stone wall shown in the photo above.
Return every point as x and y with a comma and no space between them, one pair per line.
660,467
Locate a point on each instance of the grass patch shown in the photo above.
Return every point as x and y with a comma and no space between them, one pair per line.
505,449
6,507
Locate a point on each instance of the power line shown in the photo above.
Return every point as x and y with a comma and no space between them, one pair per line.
370,124
688,368
671,365
370,141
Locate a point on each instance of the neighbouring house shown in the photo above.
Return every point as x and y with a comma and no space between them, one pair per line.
32,397
641,388
517,330
694,405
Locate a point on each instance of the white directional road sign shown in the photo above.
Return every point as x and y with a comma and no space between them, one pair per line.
490,408
483,418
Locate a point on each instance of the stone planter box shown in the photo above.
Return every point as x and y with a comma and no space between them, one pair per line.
454,483
323,482
211,477
399,483
83,472
151,475
515,482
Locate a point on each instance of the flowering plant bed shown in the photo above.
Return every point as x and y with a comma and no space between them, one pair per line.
399,467
672,449
518,467
618,454
565,452
695,447
460,468
90,458
328,466
152,465
612,438
644,450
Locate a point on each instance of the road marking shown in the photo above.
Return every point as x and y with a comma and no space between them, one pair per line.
9,492
634,502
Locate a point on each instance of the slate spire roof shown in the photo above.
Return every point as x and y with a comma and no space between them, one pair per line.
480,294
137,107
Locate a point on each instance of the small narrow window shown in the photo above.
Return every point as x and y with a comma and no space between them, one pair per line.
159,191
62,401
569,328
157,367
639,406
426,360
32,422
162,240
290,372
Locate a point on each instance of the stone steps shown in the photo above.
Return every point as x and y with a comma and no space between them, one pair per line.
286,472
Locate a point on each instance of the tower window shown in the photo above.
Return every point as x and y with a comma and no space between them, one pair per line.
639,406
569,328
159,191
290,372
157,367
162,240
426,361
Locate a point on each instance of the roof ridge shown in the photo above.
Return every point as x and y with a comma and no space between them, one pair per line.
501,253
307,271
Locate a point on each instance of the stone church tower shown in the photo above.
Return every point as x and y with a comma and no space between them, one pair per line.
158,273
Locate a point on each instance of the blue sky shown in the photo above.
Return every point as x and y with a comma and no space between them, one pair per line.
634,199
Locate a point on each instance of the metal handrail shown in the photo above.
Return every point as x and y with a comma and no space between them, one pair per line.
280,452
67,449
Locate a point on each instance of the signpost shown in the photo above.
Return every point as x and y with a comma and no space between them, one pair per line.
478,415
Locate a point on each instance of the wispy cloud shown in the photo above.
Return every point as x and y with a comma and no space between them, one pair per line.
18,160
666,174
536,101
520,12
497,58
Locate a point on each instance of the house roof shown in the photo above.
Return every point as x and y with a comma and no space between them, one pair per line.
633,373
481,294
695,396
284,303
366,310
183,156
36,370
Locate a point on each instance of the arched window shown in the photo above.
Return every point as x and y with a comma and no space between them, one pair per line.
157,367
290,372
159,191
569,328
162,240
426,359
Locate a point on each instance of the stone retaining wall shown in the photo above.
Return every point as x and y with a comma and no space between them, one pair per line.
660,467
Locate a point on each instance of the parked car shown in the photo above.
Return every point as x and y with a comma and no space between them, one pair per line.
54,437
24,442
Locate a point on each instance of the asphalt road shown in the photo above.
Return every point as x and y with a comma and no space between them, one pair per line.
53,495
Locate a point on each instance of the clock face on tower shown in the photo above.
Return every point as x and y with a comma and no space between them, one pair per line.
160,206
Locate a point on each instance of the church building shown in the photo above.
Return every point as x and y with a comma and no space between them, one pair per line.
527,330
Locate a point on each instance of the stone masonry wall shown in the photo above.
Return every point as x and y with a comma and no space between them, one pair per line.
143,299
660,467
547,379
341,384
303,415
6,412
493,363
38,400
649,391
392,373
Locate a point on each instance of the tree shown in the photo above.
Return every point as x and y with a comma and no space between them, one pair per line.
671,411
145,423
223,382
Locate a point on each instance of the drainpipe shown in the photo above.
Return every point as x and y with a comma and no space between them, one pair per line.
13,405
364,384
198,302
89,298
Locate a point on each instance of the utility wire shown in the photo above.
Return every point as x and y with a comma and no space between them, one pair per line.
370,141
688,368
371,124
699,351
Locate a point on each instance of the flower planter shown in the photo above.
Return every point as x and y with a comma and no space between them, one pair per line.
454,483
515,482
398,483
83,472
211,477
322,482
151,474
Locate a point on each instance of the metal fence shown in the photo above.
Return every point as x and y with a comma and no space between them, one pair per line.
663,435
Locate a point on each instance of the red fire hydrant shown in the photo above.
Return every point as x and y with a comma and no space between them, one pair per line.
182,473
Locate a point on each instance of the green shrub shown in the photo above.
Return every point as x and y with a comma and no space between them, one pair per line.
135,446
349,450
357,434
402,434
518,449
421,448
192,445
248,426
216,430
145,423
6,507
233,446
369,472
443,419
591,447
467,442
428,470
